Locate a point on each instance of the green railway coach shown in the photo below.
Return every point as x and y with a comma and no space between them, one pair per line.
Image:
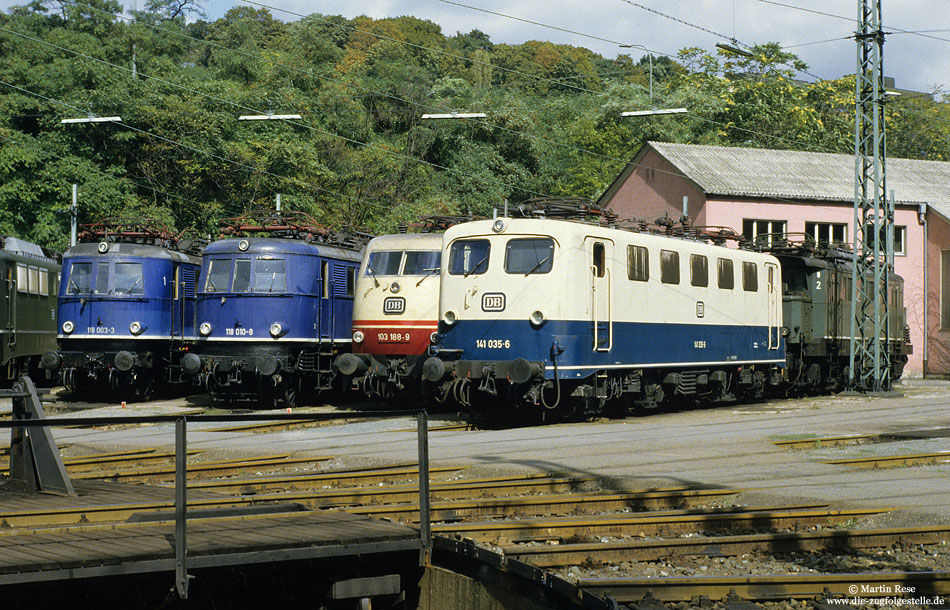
30,283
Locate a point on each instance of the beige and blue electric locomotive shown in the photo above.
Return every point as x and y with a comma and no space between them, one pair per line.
562,317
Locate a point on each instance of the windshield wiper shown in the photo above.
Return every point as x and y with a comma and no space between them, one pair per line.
475,268
428,272
535,268
370,272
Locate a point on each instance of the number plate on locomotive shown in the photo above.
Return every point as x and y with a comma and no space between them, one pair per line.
393,337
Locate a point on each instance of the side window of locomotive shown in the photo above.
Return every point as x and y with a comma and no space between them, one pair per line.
727,278
422,263
128,278
638,263
527,256
34,280
325,275
44,282
669,267
219,274
242,275
80,278
350,281
469,256
270,275
384,262
698,270
102,278
750,277
600,259
22,278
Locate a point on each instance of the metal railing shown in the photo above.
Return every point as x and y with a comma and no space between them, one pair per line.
28,414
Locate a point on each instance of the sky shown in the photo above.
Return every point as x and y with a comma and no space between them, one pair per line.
916,51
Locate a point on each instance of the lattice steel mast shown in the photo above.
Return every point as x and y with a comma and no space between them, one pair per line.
873,220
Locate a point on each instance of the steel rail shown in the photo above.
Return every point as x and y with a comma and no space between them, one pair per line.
827,441
329,498
548,556
195,469
660,524
874,585
894,461
585,503
317,480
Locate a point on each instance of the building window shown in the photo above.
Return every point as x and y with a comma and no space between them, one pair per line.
638,263
763,232
669,267
900,240
698,270
827,232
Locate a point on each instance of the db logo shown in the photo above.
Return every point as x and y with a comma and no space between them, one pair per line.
493,301
394,305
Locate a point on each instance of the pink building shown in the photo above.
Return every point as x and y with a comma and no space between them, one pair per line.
757,191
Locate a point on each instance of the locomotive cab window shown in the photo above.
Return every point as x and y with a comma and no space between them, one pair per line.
727,278
269,275
102,278
80,278
469,257
750,277
242,275
422,263
669,267
638,263
600,259
128,278
527,256
384,262
698,270
219,274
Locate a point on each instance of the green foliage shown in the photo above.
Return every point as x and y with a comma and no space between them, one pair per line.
362,155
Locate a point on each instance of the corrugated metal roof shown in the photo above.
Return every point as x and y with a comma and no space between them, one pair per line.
798,175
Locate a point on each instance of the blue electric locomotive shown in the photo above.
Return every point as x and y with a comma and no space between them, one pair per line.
274,309
126,308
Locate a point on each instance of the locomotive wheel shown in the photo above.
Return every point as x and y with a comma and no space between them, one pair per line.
145,387
292,388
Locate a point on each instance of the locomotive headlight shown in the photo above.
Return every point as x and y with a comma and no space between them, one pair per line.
68,327
358,336
205,328
498,226
395,287
449,318
536,318
135,328
434,338
103,247
276,329
243,245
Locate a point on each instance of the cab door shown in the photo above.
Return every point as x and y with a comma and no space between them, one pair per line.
775,313
599,253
